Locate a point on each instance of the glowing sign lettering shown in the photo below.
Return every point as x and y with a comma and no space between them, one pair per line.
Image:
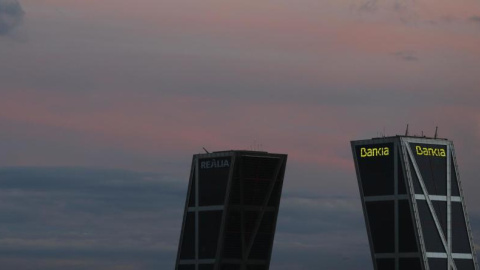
430,151
374,152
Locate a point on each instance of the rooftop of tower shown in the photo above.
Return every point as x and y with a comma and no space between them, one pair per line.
409,136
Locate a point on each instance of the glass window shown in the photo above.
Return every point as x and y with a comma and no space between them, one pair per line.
438,264
432,163
187,251
385,264
261,246
230,267
232,245
257,267
191,197
455,188
416,183
376,166
186,267
464,264
460,239
381,221
441,212
402,188
209,230
433,242
213,180
406,230
410,264
205,267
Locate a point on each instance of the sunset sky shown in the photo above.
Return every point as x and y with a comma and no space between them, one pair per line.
103,103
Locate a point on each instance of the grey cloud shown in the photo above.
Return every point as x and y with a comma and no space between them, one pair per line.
443,20
404,11
406,55
370,5
448,19
11,15
400,6
475,19
333,214
373,5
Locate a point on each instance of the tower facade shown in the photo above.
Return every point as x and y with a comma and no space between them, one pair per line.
231,211
413,204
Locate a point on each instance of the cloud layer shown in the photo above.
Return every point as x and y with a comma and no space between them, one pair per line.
96,219
77,218
11,15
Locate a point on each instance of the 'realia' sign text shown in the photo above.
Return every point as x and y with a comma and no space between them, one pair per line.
214,163
430,151
374,152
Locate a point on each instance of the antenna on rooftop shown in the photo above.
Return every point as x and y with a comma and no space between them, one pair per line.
406,131
205,150
436,132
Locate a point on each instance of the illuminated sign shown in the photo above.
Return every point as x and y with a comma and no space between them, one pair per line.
430,151
374,152
213,163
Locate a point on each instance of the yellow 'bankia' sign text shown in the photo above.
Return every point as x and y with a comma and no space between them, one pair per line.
430,151
374,152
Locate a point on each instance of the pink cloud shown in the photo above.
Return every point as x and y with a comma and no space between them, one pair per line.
179,123
318,47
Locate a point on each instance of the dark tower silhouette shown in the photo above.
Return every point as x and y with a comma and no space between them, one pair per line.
413,204
231,211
